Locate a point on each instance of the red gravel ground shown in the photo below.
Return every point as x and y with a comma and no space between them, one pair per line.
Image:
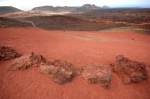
79,48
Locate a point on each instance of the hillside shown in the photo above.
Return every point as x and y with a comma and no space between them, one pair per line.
136,17
8,9
10,22
131,15
64,22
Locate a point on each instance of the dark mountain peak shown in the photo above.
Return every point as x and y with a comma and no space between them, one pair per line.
90,6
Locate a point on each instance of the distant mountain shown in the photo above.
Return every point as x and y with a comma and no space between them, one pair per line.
89,6
8,9
105,7
54,9
83,8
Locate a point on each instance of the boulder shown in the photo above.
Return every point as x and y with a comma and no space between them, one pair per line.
28,61
130,71
98,74
7,53
60,71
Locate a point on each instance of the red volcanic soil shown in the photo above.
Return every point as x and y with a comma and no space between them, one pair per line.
80,48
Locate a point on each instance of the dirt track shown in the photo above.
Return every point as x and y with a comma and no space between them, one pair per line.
80,48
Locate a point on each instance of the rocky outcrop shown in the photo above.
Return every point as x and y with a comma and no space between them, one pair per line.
130,71
60,71
7,53
27,61
98,74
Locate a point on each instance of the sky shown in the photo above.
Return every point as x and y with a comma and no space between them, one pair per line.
29,4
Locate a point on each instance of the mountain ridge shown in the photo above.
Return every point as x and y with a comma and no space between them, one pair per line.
83,8
8,9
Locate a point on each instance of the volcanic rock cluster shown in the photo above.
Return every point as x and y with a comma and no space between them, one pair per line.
130,71
7,53
98,74
61,72
27,61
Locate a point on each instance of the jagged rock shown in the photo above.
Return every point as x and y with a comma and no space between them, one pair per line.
98,74
60,71
27,61
130,71
7,53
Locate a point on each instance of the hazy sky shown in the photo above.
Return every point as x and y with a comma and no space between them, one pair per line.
28,4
